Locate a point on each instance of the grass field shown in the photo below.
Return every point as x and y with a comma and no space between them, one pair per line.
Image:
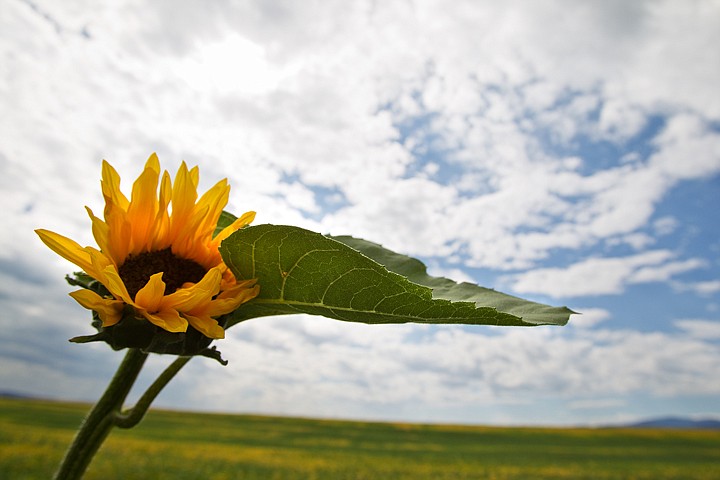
178,445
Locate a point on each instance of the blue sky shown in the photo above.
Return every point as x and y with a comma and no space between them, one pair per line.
564,151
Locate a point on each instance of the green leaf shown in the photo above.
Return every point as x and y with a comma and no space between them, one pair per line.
300,271
444,288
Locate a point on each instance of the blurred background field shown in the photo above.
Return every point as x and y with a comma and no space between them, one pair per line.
183,445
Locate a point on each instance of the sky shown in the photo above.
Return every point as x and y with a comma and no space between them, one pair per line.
564,151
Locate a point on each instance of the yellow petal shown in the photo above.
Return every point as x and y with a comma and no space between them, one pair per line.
109,310
162,220
195,176
100,230
143,208
206,325
119,238
186,243
110,185
165,190
189,299
168,320
230,291
100,262
244,220
214,200
153,163
150,296
183,199
66,248
227,304
116,286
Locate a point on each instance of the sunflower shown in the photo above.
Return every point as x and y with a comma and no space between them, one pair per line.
158,253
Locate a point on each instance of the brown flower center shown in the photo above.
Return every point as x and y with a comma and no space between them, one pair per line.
137,270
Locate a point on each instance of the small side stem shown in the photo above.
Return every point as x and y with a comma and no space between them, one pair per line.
130,418
99,421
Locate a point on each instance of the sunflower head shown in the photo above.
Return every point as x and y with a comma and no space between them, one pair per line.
157,281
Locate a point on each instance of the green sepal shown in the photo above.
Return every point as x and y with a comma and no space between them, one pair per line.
134,331
225,220
82,279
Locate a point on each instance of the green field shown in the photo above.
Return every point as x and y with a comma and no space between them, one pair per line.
178,445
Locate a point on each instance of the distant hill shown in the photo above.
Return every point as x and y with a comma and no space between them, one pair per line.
9,394
678,422
660,422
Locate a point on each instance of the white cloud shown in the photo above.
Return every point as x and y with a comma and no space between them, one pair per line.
652,80
703,288
602,276
687,149
255,103
665,225
638,241
315,366
589,317
597,403
699,328
233,64
661,273
620,120
285,97
456,274
47,381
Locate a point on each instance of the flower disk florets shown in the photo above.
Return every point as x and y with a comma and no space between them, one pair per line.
136,271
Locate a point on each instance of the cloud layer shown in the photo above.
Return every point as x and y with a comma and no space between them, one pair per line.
533,145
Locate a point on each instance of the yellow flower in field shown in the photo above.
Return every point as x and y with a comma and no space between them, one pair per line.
158,254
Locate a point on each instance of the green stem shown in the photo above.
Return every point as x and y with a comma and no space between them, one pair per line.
132,417
98,423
